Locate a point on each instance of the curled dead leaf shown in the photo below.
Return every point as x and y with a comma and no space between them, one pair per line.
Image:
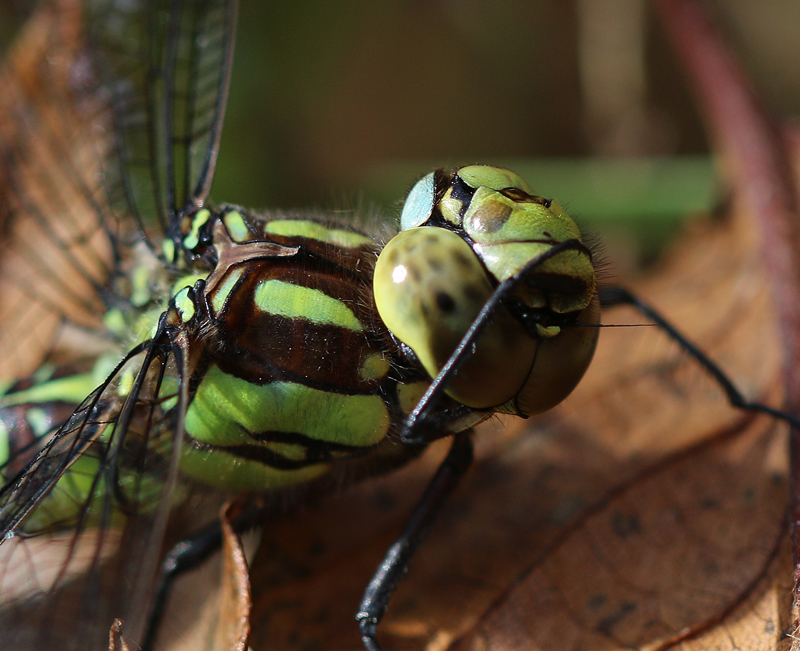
115,640
234,607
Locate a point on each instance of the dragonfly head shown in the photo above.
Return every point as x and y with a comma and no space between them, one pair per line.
471,233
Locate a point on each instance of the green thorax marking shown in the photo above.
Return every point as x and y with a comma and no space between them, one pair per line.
294,370
298,302
311,230
229,411
192,240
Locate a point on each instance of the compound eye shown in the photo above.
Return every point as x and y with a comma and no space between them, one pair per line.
419,203
429,286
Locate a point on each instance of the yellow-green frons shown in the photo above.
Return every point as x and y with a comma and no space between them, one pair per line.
497,178
493,218
568,279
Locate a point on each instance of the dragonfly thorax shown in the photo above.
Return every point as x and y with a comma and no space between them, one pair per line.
291,367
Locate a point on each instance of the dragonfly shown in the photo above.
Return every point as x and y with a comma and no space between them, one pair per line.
165,350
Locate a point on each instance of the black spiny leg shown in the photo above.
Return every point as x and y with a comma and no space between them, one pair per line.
189,554
611,296
186,555
395,563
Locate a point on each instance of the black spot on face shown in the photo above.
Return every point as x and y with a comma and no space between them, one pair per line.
463,260
473,293
520,196
445,302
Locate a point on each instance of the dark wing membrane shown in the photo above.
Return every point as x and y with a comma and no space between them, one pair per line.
58,242
168,66
84,522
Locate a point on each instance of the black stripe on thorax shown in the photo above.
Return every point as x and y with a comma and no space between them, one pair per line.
316,451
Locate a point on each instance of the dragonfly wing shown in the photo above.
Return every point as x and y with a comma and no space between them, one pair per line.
167,65
83,523
83,177
59,243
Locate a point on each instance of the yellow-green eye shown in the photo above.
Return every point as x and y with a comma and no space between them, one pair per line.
429,287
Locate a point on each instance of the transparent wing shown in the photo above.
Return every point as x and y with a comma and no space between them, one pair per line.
60,244
83,523
167,65
103,138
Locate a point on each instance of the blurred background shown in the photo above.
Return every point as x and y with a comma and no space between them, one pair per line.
337,104
346,102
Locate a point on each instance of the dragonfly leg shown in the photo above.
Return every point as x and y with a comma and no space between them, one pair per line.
193,551
611,296
397,558
186,555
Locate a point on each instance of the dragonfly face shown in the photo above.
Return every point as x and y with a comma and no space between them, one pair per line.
263,353
431,283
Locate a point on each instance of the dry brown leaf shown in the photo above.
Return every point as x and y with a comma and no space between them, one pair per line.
115,640
642,510
234,607
54,252
210,607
